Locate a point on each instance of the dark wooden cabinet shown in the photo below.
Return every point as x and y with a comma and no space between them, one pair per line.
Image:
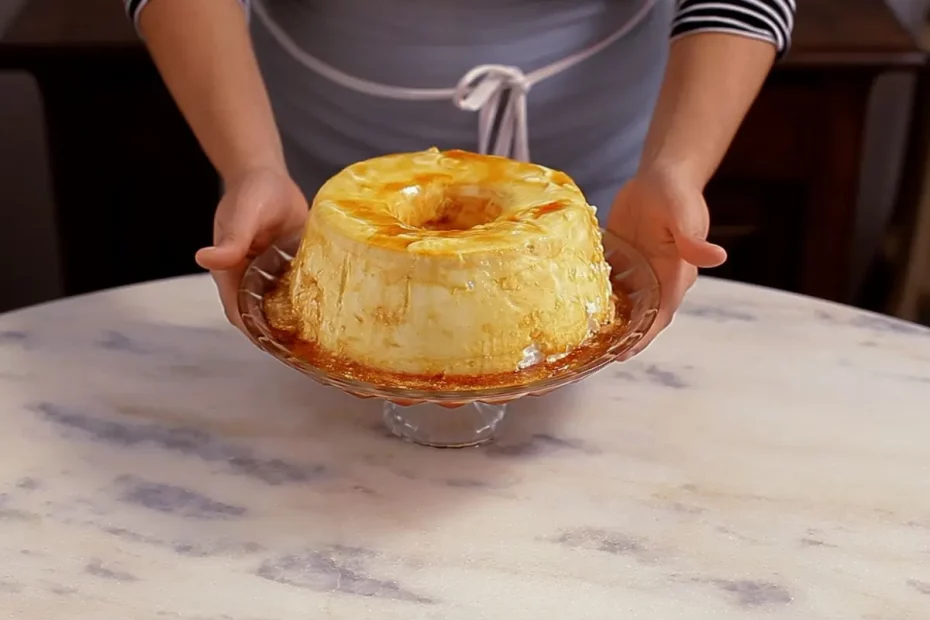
785,198
127,170
134,192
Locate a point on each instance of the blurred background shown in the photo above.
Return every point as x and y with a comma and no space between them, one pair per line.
825,191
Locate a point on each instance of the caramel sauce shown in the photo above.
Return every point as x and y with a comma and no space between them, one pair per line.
283,322
463,213
437,203
419,179
546,209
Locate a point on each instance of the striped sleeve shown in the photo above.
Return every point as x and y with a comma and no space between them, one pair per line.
766,20
134,8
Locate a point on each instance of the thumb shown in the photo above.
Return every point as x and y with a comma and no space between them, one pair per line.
690,233
700,252
235,233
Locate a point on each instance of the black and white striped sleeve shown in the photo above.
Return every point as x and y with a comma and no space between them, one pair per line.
134,8
766,20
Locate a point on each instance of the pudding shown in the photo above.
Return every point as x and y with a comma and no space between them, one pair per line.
449,263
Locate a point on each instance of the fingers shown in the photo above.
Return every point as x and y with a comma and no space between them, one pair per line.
235,229
227,284
673,293
663,320
255,211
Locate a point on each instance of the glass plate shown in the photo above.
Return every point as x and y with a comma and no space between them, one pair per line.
412,413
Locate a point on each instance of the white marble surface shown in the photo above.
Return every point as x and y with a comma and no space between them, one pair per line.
768,458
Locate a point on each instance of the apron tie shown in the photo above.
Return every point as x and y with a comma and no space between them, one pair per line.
496,92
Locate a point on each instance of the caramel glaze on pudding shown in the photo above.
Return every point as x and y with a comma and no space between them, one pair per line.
447,265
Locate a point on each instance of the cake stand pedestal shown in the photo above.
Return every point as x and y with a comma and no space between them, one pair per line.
432,425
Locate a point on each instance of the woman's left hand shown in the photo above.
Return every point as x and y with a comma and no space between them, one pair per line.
664,216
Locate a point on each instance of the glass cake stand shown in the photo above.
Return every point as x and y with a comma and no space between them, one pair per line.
452,418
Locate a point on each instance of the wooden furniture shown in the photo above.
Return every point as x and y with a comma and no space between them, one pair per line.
134,192
784,201
910,231
127,170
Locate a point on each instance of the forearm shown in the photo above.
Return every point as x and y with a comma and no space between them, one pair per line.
710,82
203,51
720,55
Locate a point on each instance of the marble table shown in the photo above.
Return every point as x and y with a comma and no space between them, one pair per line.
768,457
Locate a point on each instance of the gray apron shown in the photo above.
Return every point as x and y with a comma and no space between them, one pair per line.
589,120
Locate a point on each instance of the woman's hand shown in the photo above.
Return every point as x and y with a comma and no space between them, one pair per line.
665,217
258,208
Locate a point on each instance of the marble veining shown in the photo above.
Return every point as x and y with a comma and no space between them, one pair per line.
766,458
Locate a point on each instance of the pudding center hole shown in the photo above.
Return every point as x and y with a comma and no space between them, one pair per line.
452,208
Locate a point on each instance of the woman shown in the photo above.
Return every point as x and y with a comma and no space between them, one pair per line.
638,96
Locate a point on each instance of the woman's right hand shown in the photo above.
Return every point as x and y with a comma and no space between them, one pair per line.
259,207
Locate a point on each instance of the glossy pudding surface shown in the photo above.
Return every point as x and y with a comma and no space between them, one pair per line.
449,263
